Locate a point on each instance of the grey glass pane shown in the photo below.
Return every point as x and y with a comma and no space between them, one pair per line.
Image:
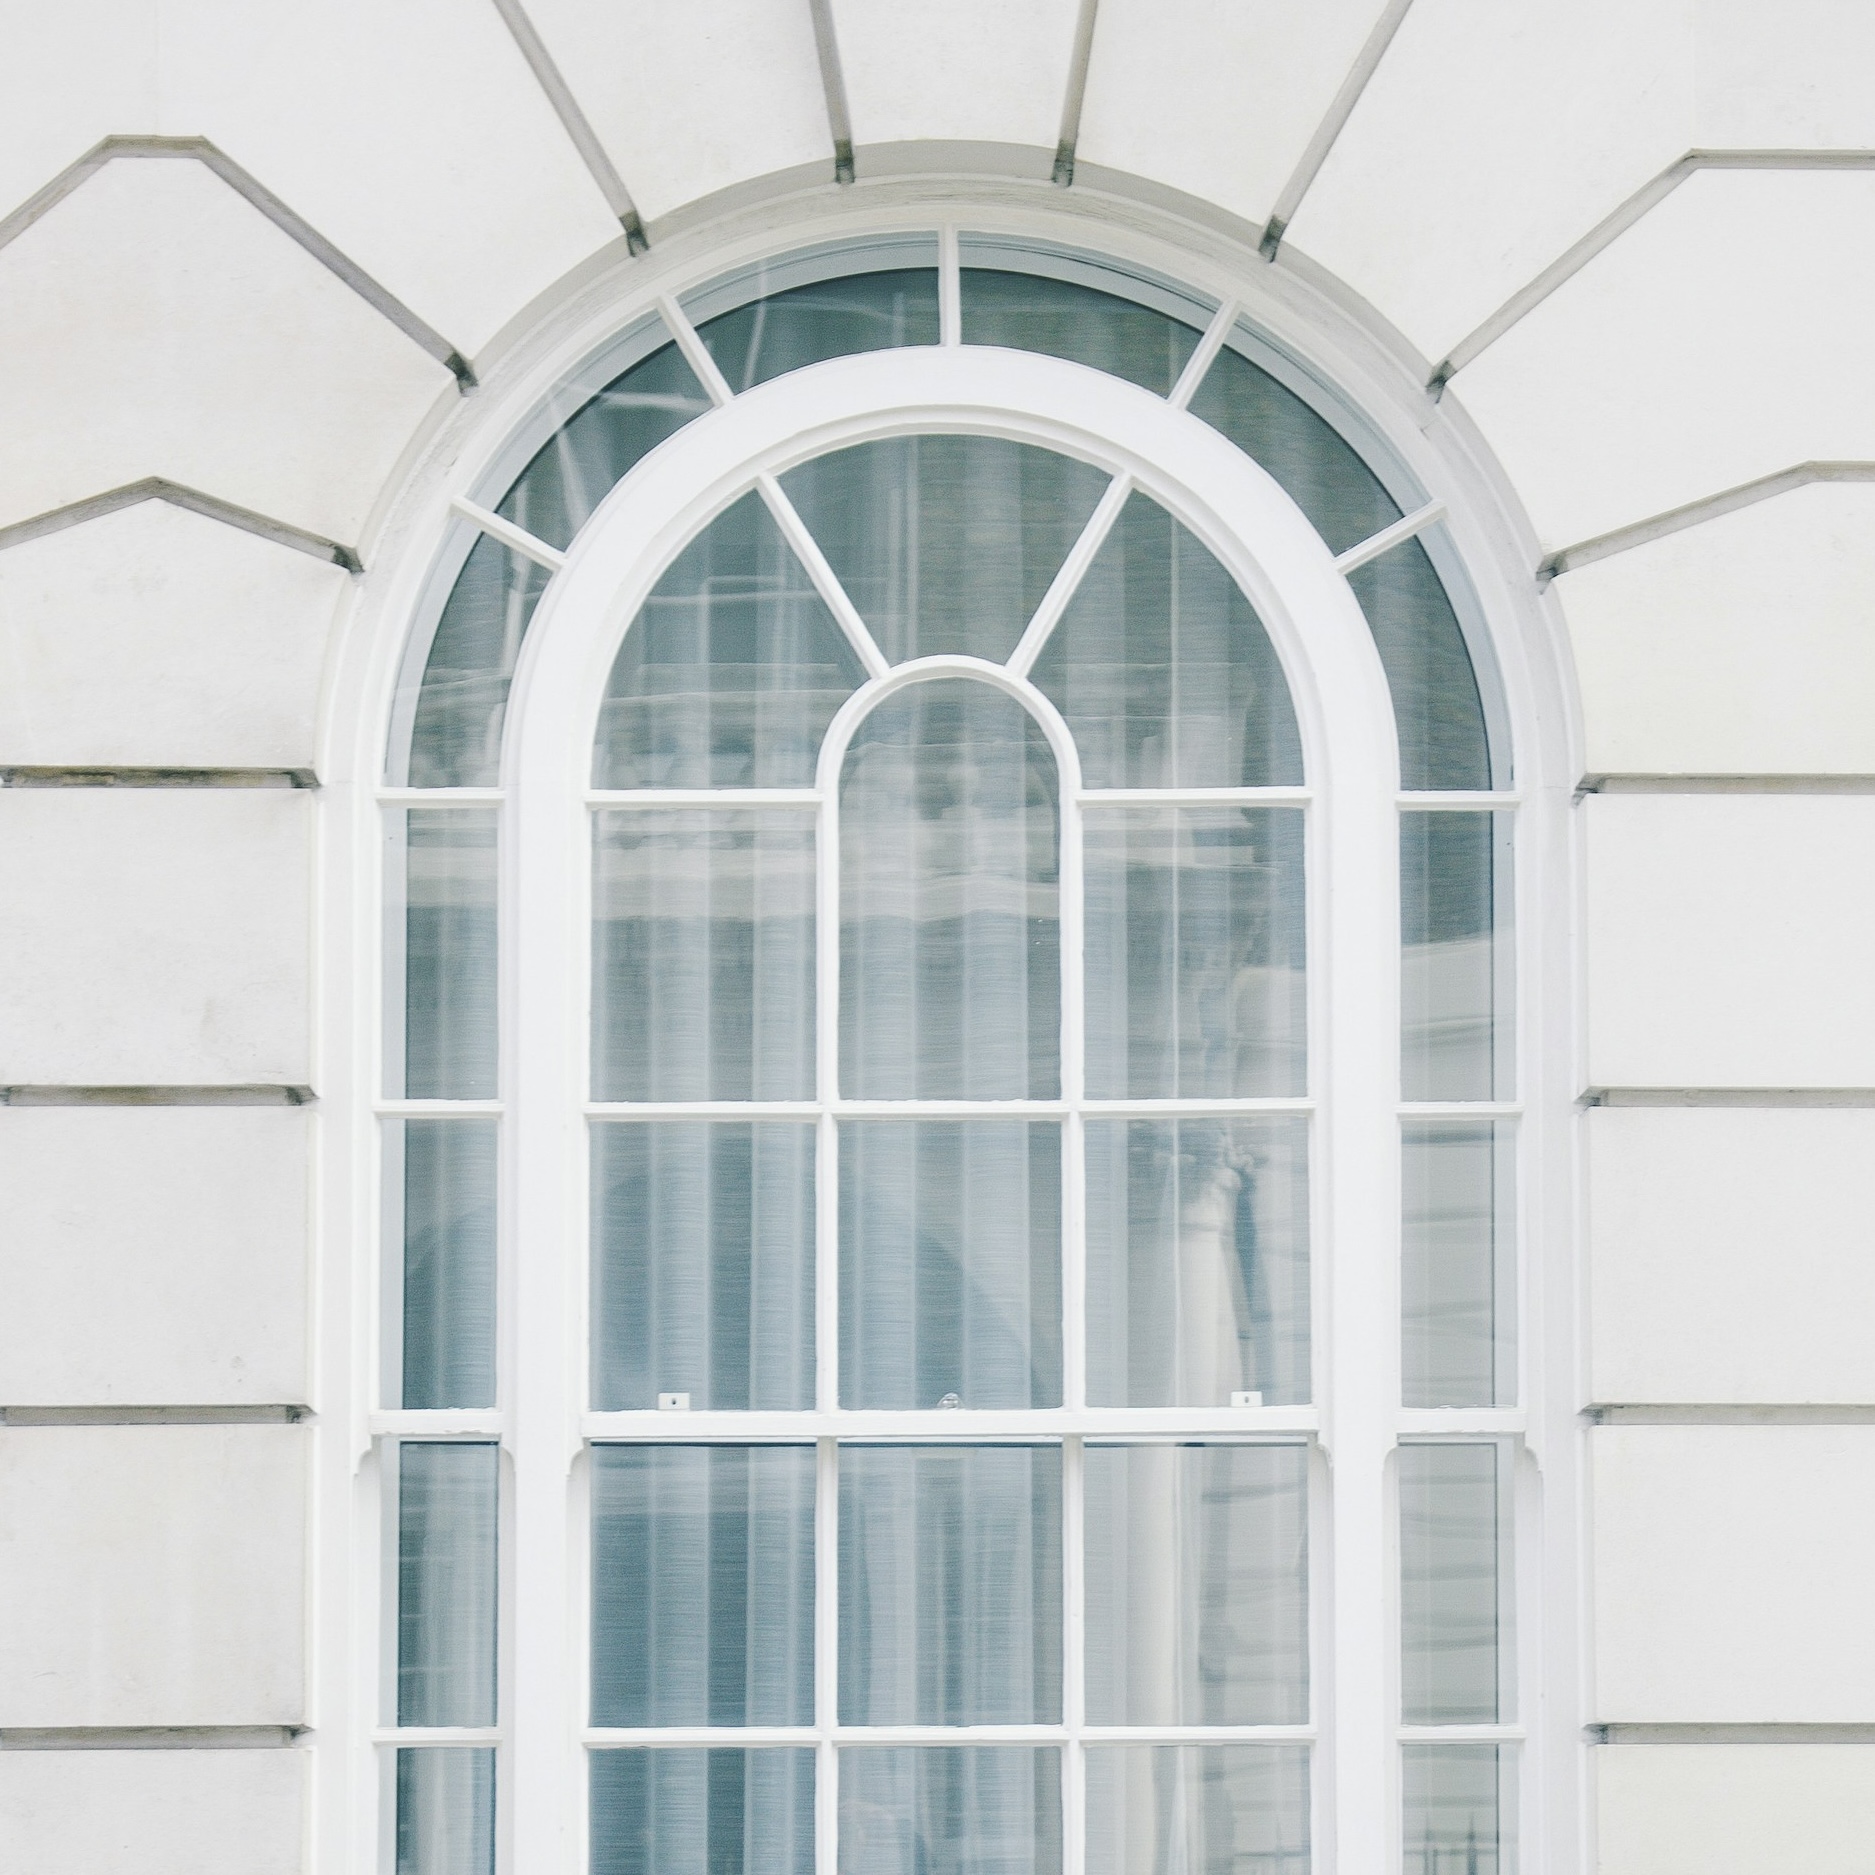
1455,1658
446,1569
703,1265
949,1810
703,955
1164,672
1457,1299
950,1263
448,1220
950,948
710,1812
1197,1585
1454,878
443,1040
592,450
946,544
1196,960
864,312
703,1585
1198,1810
1459,1810
950,1585
1028,313
446,1811
731,672
1197,1262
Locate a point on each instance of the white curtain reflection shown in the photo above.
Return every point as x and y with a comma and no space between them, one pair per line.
1198,1810
940,1810
1457,1301
442,1041
446,1536
1459,1809
446,1811
1454,875
1455,1651
717,1812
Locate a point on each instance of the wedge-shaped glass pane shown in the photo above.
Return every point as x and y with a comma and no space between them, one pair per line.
703,1265
1454,1613
442,1175
950,1810
730,673
446,1811
1198,1810
440,1032
1028,313
950,1585
446,1536
950,945
714,1812
1197,1585
1197,1262
703,955
865,312
1165,674
1195,952
945,543
950,1263
1458,1299
1460,1810
702,1585
1455,989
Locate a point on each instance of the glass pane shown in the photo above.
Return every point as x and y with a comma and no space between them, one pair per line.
1198,1810
1163,670
440,1044
1455,876
945,543
446,1194
702,1812
703,955
950,1263
1196,961
950,947
947,1810
1455,1644
703,1265
590,454
1197,1585
703,1585
446,1811
1197,1262
1460,1810
731,672
446,1584
1028,313
1458,1300
950,1585
864,312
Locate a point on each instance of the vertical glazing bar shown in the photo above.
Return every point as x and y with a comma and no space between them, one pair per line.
950,284
826,1657
1074,1654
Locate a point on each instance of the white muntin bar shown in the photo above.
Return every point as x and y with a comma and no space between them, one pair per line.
1067,580
437,1109
649,800
1283,1425
696,353
441,797
950,288
498,527
1204,356
435,1736
780,1737
1195,797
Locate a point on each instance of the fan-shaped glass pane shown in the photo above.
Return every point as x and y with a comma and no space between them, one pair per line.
1029,313
864,312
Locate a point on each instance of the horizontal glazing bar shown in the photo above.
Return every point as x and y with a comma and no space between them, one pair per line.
440,797
1460,1109
410,1737
434,1109
1456,798
1451,1422
653,798
938,1109
1194,797
1461,1734
672,1737
958,1426
445,1423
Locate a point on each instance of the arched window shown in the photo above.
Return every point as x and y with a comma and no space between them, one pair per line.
950,1112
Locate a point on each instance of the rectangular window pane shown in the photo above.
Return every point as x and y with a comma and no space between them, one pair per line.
950,1585
1197,1585
1198,1810
1197,1261
446,1562
950,1263
1196,980
1457,1286
950,1810
1455,986
703,1265
440,1177
446,1811
440,1040
1460,1809
703,956
703,1585
1454,1626
702,1812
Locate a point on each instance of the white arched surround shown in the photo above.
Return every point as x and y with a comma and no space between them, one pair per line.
1346,725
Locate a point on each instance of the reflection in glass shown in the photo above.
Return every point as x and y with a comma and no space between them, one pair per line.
446,1811
702,1585
1455,1644
448,1233
950,960
441,1043
1457,1302
950,1585
802,325
446,1584
713,1812
731,671
950,1263
703,1265
950,1810
1028,313
1454,876
945,543
703,955
1195,952
1197,1261
1198,1810
1459,1809
1164,672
